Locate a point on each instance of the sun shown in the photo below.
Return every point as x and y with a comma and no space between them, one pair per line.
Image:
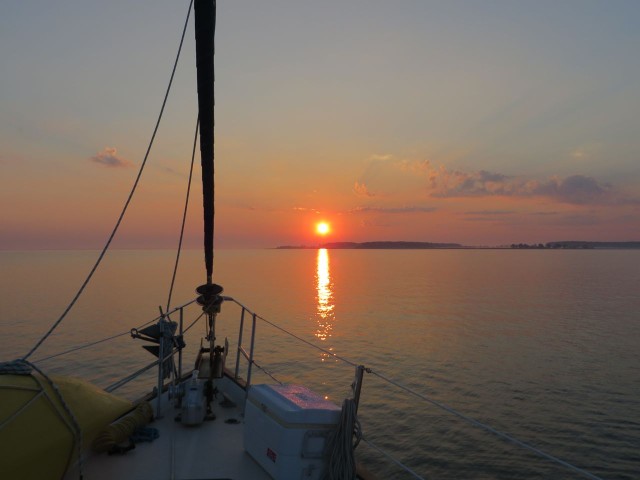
323,228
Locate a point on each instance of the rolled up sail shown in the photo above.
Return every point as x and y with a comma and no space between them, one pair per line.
37,438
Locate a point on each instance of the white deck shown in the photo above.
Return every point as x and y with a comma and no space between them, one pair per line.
211,451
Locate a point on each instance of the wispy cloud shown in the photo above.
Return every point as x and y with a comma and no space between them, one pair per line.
375,163
109,158
586,151
573,189
171,171
491,212
579,154
381,157
392,210
579,220
362,190
544,214
305,209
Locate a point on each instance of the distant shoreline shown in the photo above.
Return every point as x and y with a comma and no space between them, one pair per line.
397,245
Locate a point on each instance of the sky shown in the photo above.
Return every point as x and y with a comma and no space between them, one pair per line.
484,122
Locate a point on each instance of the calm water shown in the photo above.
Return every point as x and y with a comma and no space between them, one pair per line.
544,345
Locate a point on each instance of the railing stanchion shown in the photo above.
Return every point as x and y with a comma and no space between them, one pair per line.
180,349
358,385
253,338
235,375
160,368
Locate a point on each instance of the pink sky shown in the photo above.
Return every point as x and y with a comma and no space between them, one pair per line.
445,122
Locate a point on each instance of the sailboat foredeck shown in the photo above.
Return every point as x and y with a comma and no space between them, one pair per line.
213,450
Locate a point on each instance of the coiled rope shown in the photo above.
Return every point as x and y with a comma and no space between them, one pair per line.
126,205
341,444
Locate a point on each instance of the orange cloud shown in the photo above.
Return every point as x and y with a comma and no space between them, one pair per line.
109,158
412,209
362,190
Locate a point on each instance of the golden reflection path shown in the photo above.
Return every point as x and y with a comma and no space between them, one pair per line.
325,307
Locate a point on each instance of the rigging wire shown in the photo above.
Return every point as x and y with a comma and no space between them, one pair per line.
328,352
113,337
184,215
267,372
393,459
193,323
134,375
466,418
126,205
86,345
488,428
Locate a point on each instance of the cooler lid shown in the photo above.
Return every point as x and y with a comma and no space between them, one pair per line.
294,404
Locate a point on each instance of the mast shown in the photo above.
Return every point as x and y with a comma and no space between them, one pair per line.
209,293
205,26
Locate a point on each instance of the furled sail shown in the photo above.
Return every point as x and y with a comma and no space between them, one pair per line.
205,23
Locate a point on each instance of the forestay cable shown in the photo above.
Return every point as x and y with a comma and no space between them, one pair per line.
126,205
184,215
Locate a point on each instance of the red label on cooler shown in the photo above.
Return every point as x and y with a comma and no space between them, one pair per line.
272,455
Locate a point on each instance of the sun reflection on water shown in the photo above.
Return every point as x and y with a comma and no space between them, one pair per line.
325,308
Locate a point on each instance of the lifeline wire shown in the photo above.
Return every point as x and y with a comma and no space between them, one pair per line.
394,460
488,428
291,334
464,417
113,337
267,372
134,375
193,323
126,205
87,345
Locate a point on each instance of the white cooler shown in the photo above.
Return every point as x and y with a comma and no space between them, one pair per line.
286,430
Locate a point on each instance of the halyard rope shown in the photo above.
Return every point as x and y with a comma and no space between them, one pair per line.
126,205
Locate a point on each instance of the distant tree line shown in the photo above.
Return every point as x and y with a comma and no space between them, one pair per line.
573,244
553,245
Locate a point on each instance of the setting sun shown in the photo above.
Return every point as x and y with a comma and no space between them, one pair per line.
322,228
